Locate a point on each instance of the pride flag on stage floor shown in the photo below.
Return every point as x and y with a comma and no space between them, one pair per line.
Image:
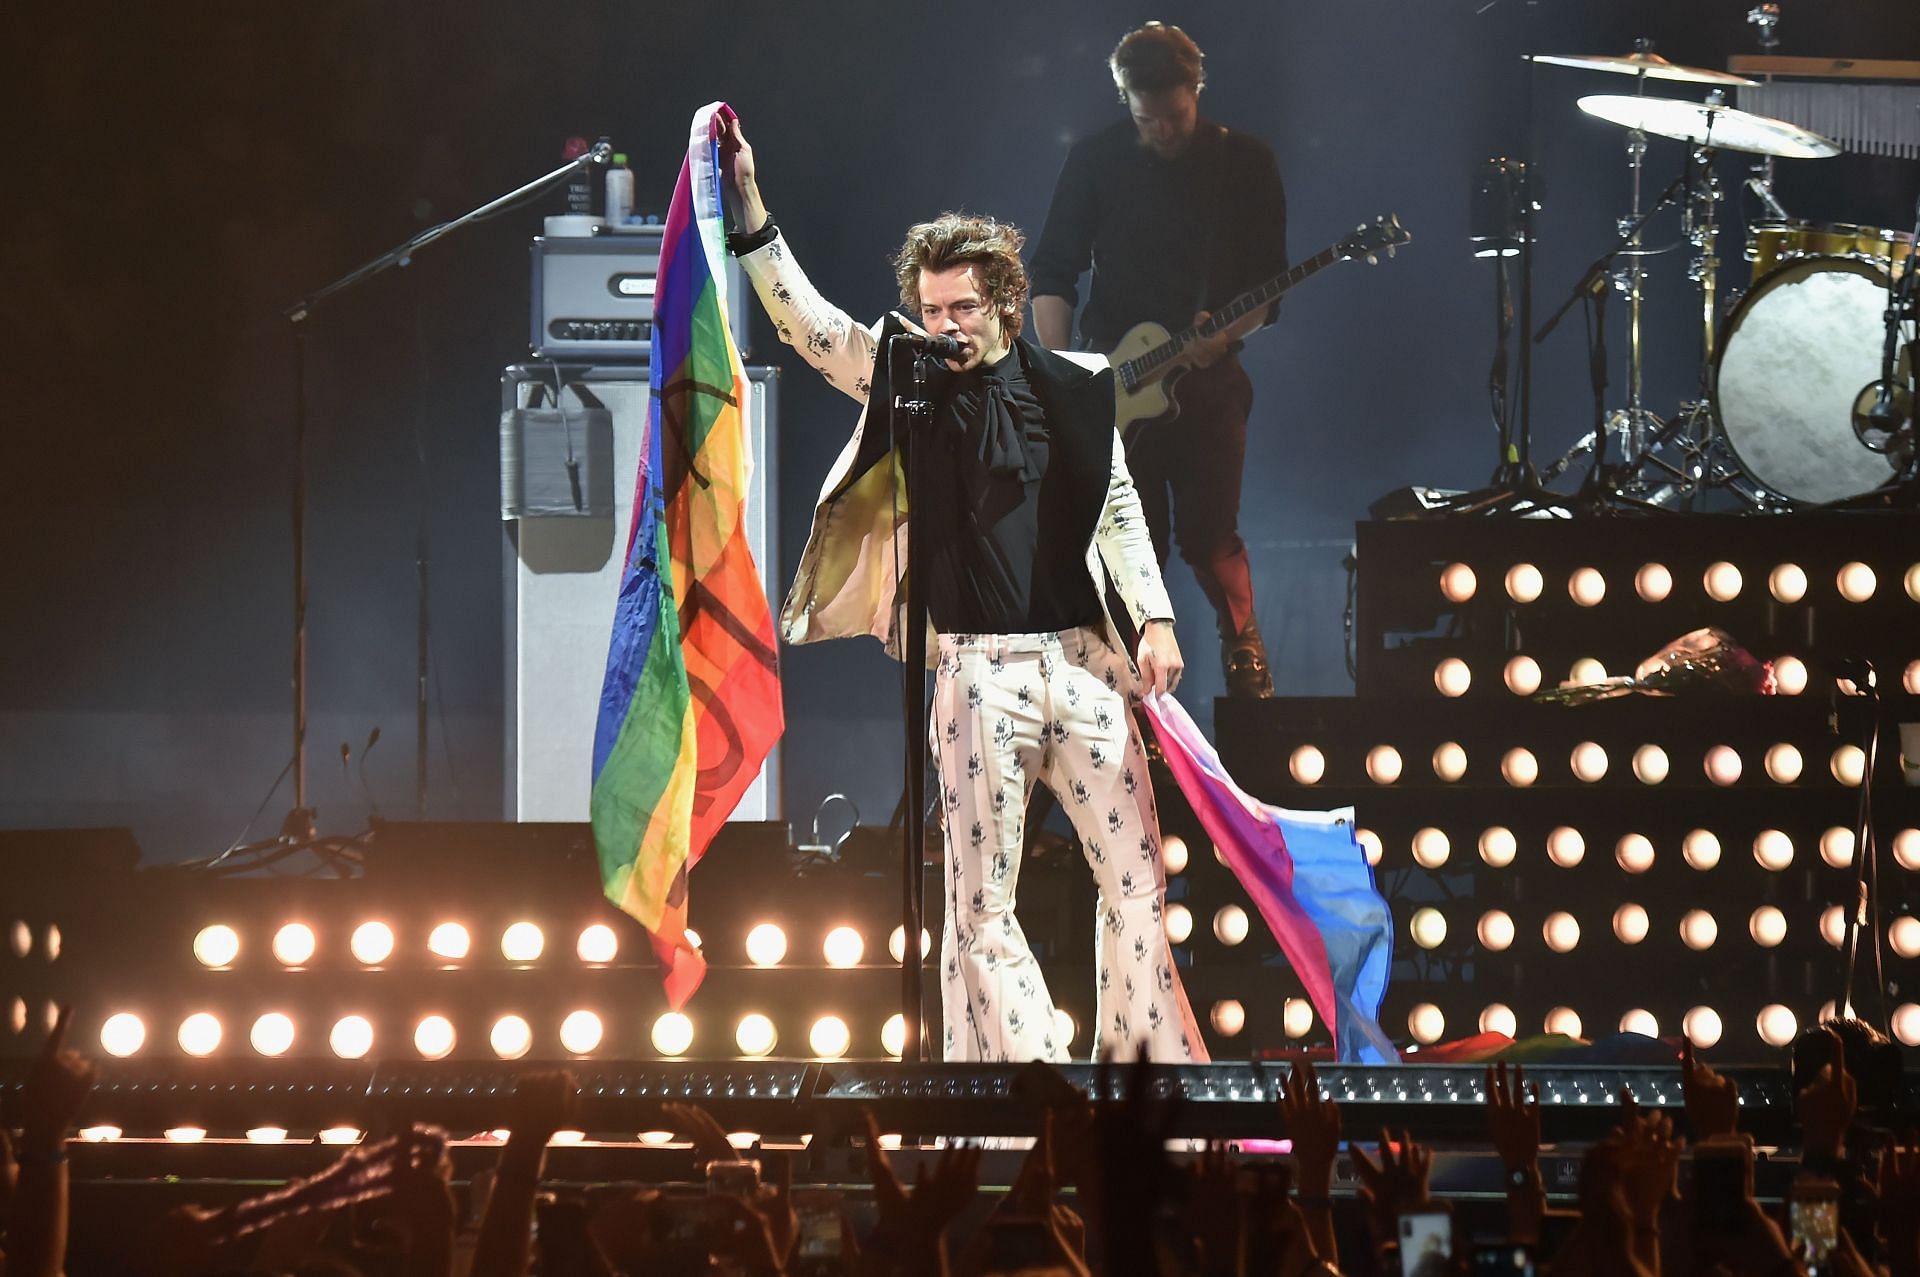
691,701
1308,876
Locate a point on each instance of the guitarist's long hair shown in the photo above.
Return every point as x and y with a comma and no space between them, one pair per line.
961,239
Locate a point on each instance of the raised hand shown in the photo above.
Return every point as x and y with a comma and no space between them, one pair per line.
542,1103
911,1227
1713,1101
1216,1213
1649,1161
1513,1116
1827,1104
1313,1124
1397,1183
57,1085
740,181
708,1136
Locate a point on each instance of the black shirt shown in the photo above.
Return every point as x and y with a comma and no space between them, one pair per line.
1165,238
990,569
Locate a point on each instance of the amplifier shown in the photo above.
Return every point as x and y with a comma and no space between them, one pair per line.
593,295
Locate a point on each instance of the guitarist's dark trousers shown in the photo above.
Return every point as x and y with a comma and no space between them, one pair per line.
1188,474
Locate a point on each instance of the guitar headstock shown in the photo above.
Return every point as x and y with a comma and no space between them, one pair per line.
1367,240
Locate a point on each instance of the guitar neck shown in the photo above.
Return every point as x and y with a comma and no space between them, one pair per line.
1142,366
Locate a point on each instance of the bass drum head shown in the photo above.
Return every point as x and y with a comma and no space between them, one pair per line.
1797,353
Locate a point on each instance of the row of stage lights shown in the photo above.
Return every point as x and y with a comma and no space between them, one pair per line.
1589,763
1722,582
742,1140
373,944
1453,677
1699,929
1773,849
1774,1024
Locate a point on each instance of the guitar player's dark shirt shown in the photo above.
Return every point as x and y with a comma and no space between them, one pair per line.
1164,238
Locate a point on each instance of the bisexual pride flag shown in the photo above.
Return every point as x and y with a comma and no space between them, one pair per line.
691,701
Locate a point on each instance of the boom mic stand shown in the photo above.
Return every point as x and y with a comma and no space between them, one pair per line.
301,822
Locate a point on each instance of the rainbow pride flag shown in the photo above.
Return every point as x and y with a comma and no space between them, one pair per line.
691,701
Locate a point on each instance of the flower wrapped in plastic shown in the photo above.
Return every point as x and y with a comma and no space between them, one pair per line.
1703,660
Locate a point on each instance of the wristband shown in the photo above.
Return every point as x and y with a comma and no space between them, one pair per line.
740,243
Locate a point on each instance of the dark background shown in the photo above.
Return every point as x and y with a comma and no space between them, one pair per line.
180,174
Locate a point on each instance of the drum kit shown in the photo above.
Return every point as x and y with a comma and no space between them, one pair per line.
1803,396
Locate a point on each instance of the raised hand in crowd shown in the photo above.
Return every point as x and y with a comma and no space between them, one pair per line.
909,1239
1313,1124
709,1138
57,1085
1899,1206
542,1103
421,1207
1394,1185
1216,1213
1713,1101
1726,1225
1513,1125
1826,1106
1648,1168
1601,1244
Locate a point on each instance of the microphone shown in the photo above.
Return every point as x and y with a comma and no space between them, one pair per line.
938,345
1879,411
601,152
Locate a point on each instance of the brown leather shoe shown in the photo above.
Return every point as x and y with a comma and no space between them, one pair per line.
1244,657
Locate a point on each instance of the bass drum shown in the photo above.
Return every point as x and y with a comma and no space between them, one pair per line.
1796,354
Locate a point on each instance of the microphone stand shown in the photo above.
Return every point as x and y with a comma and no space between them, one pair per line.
1863,908
300,823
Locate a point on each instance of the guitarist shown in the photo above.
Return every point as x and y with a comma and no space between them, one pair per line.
1174,214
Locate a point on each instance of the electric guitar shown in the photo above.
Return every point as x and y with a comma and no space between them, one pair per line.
1149,361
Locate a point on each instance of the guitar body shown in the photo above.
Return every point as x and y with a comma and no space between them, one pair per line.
1152,401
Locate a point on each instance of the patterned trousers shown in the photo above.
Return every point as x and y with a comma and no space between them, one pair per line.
1009,710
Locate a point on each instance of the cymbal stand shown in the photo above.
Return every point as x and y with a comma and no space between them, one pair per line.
1630,425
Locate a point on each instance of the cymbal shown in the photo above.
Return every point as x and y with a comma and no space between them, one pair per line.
1651,65
1709,125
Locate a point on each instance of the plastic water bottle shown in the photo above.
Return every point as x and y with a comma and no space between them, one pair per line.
619,192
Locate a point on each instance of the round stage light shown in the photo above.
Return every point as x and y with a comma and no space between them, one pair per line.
1370,845
371,943
1173,854
893,1035
1307,765
272,1034
1702,1027
217,945
843,948
20,939
1519,768
1700,849
1783,763
766,945
522,942
1565,847
1653,582
511,1037
581,1033
1789,675
1650,765
351,1037
1849,765
433,1037
1588,762
1634,853
1228,1017
1723,765
1587,670
1698,930
1787,582
1833,925
449,941
17,1015
1498,846
672,1034
341,1135
1640,1021
897,944
1586,586
1428,927
1452,677
828,1038
1904,936
1776,1025
185,1134
1426,1024
1912,581
1767,926
1906,849
1564,1021
1906,1024
200,1034
1296,1017
1773,850
1431,847
1836,847
1230,925
598,945
1063,1028
293,944
756,1036
1722,582
1630,923
1522,676
1910,679
1457,582
1499,1018
1856,582
1494,930
1524,583
1179,923
266,1135
1383,764
100,1134
1449,761
1561,932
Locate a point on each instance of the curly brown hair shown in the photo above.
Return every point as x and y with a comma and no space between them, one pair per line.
961,239
1155,58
